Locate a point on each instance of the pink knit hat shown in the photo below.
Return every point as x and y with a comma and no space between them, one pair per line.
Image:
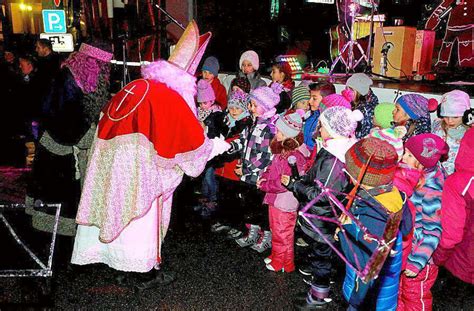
252,57
205,93
427,148
266,99
454,104
334,100
291,124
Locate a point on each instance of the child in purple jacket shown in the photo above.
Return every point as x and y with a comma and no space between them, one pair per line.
282,205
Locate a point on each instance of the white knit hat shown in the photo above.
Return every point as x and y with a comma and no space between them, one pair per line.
252,57
340,121
454,104
291,124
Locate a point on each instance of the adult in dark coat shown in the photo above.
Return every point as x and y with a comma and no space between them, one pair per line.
70,113
49,62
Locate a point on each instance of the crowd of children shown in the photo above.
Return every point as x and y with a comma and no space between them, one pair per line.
291,144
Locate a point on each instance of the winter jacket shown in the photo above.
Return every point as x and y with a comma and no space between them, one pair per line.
387,292
254,78
453,138
367,106
419,126
406,179
309,127
28,93
276,194
254,143
226,163
49,67
285,102
220,92
456,248
427,229
285,97
328,168
374,217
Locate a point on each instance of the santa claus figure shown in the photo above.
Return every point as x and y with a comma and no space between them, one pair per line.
459,30
147,138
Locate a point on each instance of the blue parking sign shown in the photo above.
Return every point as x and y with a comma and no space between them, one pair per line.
54,21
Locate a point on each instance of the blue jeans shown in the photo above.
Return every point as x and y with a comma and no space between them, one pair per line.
210,185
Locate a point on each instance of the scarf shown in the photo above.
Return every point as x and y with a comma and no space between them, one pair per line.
203,114
230,121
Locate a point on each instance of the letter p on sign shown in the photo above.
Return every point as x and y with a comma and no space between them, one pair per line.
54,21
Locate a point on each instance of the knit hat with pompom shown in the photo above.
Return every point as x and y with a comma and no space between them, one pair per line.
340,121
290,125
266,99
334,100
205,93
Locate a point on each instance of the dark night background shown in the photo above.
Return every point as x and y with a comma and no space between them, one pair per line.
246,24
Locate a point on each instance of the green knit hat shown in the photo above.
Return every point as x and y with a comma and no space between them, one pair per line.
383,114
299,93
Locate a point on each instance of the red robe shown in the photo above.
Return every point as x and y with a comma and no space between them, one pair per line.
146,140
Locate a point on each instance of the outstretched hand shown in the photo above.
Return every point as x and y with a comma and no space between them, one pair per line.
219,146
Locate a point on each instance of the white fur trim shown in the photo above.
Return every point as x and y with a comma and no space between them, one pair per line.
175,78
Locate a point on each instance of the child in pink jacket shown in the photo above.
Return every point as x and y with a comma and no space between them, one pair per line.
282,205
456,249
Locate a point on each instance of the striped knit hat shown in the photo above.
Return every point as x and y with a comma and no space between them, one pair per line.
299,93
383,161
393,136
291,124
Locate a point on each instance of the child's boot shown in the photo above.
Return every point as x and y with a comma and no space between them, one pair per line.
264,243
251,238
